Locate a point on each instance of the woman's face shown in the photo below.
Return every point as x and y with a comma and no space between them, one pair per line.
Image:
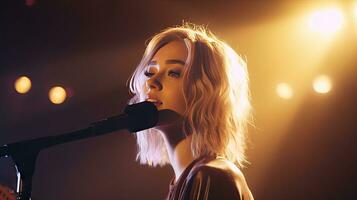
164,77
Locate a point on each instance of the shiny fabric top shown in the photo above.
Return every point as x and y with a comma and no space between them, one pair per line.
210,178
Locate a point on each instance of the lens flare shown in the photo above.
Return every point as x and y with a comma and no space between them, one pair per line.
284,91
326,21
57,95
22,84
322,84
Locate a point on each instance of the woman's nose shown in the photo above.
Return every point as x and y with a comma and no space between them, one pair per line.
153,83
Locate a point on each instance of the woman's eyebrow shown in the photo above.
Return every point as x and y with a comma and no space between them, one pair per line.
168,61
175,61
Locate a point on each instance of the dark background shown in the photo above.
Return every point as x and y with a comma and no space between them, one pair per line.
303,148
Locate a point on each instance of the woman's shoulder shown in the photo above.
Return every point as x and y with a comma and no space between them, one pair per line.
225,167
220,176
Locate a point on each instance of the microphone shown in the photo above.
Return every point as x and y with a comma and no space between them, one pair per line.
137,117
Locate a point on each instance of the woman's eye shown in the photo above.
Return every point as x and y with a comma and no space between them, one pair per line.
148,74
175,74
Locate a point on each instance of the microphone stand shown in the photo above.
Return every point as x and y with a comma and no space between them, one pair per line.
25,153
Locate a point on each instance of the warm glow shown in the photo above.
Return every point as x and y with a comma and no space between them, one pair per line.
355,10
322,84
57,95
326,21
284,91
22,84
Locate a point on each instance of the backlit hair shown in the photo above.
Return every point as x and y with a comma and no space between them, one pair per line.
216,93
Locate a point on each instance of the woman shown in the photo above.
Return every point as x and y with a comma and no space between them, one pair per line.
190,71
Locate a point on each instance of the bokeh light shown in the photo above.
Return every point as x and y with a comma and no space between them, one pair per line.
322,84
326,21
57,95
22,84
284,91
30,3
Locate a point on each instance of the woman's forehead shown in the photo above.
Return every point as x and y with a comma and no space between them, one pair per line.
172,52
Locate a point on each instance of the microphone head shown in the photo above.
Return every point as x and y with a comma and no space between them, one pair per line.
141,116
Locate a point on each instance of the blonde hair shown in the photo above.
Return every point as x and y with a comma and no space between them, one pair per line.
216,92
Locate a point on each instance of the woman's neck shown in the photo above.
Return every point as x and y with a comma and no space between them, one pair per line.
178,146
180,154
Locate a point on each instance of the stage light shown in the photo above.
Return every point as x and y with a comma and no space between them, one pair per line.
22,84
284,91
57,95
322,84
326,21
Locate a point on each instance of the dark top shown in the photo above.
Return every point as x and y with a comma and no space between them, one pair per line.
218,180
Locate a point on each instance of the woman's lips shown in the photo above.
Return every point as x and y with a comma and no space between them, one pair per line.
155,101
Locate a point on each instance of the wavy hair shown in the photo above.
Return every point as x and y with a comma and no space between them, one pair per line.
216,93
